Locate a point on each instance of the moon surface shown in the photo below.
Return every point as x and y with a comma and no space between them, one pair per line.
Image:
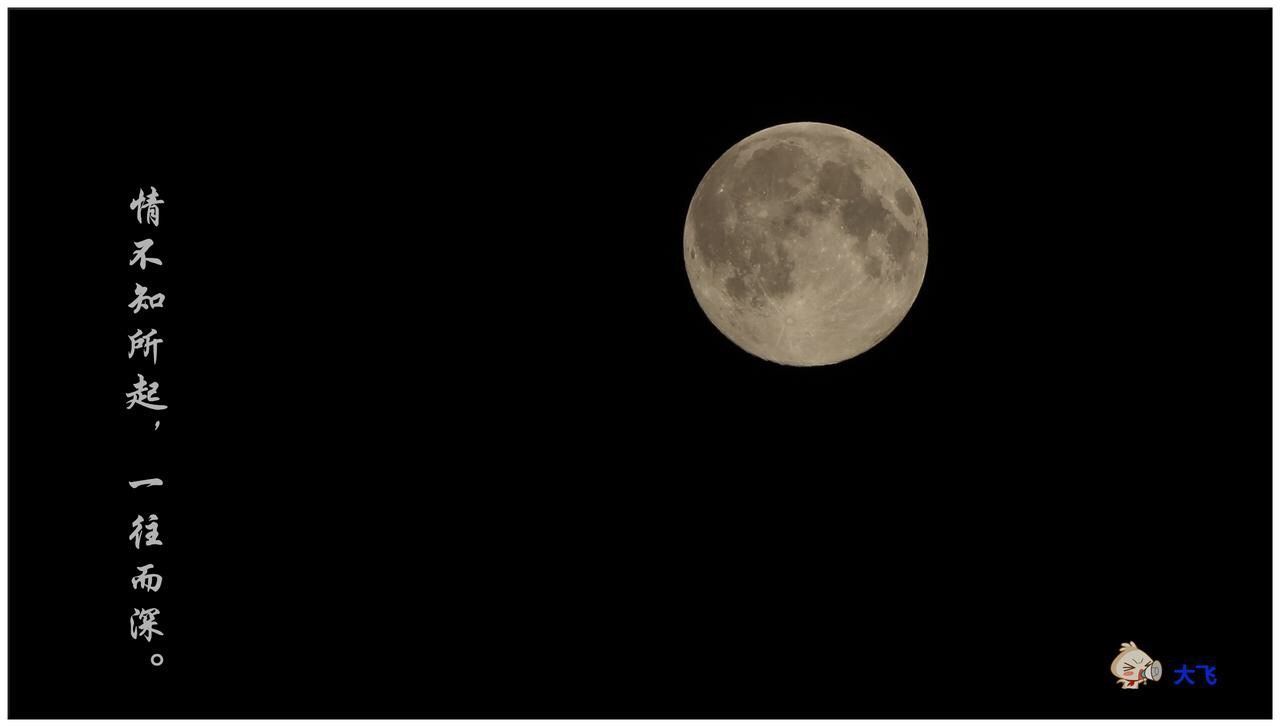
805,244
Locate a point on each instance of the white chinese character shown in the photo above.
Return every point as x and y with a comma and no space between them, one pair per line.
144,395
153,532
151,203
144,301
146,580
147,343
140,255
146,623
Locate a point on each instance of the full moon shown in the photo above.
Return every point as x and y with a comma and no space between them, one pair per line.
805,244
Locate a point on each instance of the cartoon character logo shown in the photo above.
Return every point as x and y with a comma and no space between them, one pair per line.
1133,667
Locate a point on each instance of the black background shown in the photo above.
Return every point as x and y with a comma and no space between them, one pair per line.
450,436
